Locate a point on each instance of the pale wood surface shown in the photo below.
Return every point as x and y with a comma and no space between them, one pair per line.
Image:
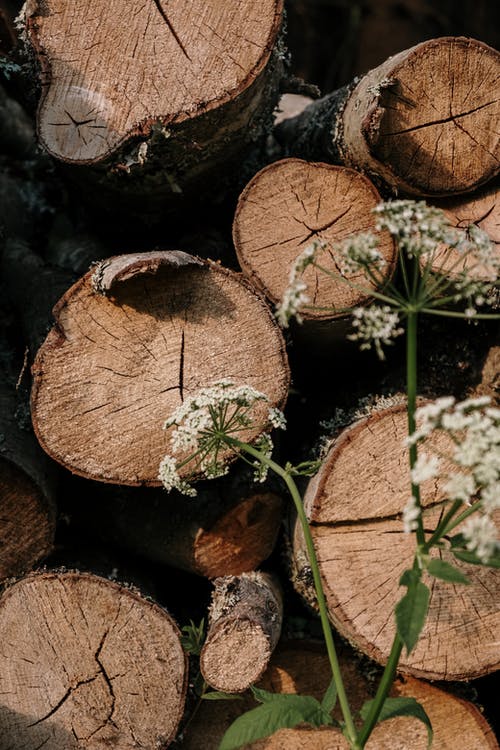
290,204
85,662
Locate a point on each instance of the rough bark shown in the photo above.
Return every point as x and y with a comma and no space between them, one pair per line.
292,203
302,667
244,627
89,663
354,504
27,505
196,90
228,529
423,121
131,340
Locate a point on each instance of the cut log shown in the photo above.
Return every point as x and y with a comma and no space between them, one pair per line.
189,96
302,667
86,662
354,504
244,627
228,529
132,339
27,505
481,209
290,204
423,121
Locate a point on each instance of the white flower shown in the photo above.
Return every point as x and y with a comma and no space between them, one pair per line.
411,514
359,252
418,228
425,468
480,534
294,298
169,477
375,326
460,487
490,497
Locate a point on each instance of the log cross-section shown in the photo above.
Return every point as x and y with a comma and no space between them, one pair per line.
118,362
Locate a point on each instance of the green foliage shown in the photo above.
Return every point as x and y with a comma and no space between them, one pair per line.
393,707
446,572
330,697
277,711
218,695
411,610
193,637
461,553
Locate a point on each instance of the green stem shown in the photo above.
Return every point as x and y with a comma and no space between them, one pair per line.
441,529
411,390
459,519
450,314
323,611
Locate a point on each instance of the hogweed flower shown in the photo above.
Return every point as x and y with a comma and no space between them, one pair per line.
411,514
480,534
417,227
375,326
359,253
204,425
294,297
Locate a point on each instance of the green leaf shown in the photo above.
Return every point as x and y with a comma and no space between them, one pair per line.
192,637
411,612
469,557
409,577
446,572
330,697
218,695
281,712
393,707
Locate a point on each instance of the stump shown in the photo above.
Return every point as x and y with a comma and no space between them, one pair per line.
354,504
289,205
131,340
244,627
87,663
191,93
423,121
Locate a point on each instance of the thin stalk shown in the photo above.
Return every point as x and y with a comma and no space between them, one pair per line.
450,314
458,520
325,622
411,390
441,529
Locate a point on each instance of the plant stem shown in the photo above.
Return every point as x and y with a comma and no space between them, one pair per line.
411,392
323,611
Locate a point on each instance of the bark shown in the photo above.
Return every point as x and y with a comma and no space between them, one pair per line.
195,92
27,490
132,339
228,529
422,122
244,627
302,667
291,204
87,662
354,504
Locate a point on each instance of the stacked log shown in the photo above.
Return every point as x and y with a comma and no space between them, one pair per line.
86,661
421,122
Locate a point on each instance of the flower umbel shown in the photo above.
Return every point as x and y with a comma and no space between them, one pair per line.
375,326
206,425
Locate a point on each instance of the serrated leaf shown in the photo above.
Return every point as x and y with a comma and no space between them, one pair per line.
470,557
218,695
393,707
330,697
282,712
411,612
446,572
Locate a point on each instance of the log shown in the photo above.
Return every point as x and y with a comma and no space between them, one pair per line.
289,205
481,209
228,529
354,504
86,662
245,620
302,667
27,490
132,338
423,122
189,97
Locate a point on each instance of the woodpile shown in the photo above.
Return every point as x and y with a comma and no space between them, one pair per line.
151,211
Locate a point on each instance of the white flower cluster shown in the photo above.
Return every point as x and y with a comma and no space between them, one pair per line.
375,325
474,426
411,514
294,296
203,422
478,280
359,252
417,227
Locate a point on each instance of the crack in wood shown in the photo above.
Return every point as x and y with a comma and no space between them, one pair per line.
65,697
181,368
451,118
171,28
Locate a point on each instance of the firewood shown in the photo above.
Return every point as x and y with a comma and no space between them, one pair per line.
27,490
228,529
354,504
185,101
87,662
423,121
302,667
244,627
290,204
132,339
